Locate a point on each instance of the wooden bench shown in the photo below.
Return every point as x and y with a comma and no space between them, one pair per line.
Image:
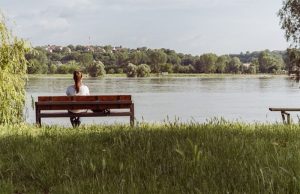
58,106
286,117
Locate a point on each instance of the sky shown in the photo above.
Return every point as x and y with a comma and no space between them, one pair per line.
187,26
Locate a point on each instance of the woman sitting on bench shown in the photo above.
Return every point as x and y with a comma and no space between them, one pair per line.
78,89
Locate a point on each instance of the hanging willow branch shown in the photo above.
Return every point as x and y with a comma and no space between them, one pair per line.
13,65
289,16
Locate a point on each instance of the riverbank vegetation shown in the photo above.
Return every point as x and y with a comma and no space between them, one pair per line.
213,157
171,75
53,59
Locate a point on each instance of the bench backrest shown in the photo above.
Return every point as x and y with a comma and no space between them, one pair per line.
84,102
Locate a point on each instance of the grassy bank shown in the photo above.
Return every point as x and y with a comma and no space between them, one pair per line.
217,157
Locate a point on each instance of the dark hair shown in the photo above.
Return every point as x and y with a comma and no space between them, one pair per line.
77,75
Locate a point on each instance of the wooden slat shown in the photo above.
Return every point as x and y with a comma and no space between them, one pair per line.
284,109
84,102
66,114
63,105
73,107
85,98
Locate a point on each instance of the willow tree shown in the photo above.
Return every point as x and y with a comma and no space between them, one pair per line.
290,22
12,76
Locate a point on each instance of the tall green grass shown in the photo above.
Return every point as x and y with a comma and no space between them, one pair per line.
214,157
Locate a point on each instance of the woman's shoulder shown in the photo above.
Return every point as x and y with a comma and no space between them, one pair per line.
85,90
70,90
84,87
70,87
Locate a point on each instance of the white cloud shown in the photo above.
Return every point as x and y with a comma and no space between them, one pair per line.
54,24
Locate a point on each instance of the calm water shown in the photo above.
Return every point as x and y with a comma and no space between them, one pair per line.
198,99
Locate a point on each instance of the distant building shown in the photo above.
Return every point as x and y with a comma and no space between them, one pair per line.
117,48
246,65
51,48
89,48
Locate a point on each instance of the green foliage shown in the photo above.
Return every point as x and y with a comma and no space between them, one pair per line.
248,57
290,20
53,69
116,59
62,69
131,70
96,69
119,70
252,69
184,69
111,71
74,56
293,62
85,59
293,59
214,157
54,56
37,61
157,57
68,68
138,57
143,70
71,47
36,67
221,63
234,65
13,65
206,63
166,67
172,57
188,60
121,57
269,63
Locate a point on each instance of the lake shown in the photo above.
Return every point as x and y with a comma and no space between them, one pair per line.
242,98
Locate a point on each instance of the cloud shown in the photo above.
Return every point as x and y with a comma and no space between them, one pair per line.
55,24
74,3
168,4
189,26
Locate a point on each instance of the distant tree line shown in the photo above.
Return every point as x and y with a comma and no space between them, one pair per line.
98,60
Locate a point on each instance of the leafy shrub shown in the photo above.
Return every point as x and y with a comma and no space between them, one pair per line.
62,69
131,70
35,67
111,71
143,70
166,67
96,69
52,68
184,69
120,70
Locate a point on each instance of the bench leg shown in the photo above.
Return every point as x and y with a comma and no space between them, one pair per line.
38,122
288,117
132,115
37,117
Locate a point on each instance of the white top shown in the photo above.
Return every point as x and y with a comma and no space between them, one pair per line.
83,91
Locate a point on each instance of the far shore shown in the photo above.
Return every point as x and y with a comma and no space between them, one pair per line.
172,75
